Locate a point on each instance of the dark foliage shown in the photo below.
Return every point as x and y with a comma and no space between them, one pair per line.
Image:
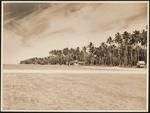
123,50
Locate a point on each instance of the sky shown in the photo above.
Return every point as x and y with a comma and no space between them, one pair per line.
33,29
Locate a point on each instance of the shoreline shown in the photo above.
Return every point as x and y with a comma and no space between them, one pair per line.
66,67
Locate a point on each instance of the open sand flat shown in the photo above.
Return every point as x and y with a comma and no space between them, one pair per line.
95,88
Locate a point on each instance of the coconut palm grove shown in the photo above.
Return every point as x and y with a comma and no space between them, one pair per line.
124,49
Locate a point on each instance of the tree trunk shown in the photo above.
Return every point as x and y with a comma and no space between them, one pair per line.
126,56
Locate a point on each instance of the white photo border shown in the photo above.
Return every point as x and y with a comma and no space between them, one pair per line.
147,95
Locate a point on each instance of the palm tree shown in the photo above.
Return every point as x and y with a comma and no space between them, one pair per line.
144,43
77,53
104,52
126,38
136,37
118,40
91,48
91,53
110,48
144,38
85,54
127,49
109,40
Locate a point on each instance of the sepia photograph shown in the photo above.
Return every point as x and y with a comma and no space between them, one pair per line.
74,55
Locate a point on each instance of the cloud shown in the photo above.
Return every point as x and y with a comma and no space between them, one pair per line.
38,28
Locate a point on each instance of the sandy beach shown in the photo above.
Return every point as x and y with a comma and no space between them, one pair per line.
103,90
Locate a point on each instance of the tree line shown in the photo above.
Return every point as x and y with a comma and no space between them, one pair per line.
124,49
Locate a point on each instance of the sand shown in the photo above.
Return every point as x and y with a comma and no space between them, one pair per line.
74,91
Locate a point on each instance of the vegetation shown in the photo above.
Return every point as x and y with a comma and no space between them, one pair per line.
123,50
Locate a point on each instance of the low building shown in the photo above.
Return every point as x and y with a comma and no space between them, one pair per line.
76,62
